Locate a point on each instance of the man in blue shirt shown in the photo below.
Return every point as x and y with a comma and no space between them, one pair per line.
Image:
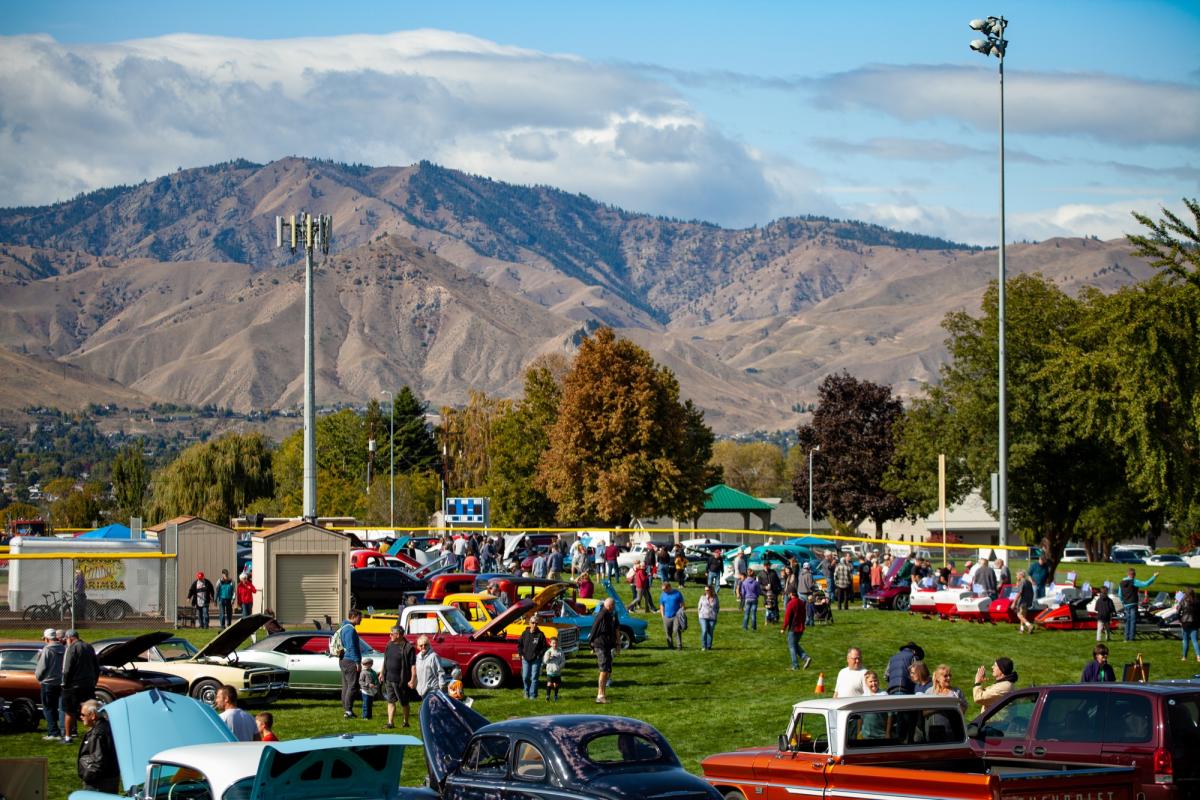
670,608
1129,597
350,660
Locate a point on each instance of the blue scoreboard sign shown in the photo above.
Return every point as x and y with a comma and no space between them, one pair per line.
466,510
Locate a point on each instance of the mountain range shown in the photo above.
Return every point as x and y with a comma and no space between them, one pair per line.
173,289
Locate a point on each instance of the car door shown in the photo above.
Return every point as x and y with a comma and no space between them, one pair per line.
1005,732
529,773
309,667
800,769
16,675
1070,726
483,773
1129,735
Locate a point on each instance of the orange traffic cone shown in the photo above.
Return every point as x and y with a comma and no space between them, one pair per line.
820,683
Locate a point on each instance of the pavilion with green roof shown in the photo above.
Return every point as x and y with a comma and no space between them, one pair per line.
724,499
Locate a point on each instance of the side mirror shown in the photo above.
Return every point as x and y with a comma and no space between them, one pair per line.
973,730
783,743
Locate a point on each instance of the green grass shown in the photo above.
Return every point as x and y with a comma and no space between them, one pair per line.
740,693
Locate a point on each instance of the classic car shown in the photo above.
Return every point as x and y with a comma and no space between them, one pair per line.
1151,727
206,669
563,756
178,749
384,587
893,593
890,746
487,657
305,655
482,608
17,684
632,630
772,556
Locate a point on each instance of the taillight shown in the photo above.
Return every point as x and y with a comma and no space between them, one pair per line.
1163,769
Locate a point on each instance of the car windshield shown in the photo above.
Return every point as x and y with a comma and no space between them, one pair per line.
456,622
175,650
494,607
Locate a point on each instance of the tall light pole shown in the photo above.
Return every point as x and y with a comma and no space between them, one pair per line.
995,45
810,482
392,458
316,232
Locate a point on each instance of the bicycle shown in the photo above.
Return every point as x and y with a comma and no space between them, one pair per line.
54,605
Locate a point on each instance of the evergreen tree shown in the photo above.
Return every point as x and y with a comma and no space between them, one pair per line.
416,449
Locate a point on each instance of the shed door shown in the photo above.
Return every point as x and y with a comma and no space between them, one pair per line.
308,587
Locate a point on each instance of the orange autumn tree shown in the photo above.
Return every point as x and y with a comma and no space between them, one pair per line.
623,444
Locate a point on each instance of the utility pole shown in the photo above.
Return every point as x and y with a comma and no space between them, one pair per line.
311,233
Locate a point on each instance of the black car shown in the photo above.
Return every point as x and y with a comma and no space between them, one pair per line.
384,587
1124,557
563,756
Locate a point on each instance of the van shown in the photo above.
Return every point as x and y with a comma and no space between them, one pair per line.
1153,727
1074,555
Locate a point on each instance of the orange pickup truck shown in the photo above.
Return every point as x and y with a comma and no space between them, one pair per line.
897,746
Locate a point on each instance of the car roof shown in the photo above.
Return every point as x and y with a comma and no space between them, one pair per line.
1148,688
222,764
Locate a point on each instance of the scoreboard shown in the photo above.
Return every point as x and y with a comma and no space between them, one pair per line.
466,510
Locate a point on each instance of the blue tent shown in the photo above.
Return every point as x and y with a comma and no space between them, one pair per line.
114,531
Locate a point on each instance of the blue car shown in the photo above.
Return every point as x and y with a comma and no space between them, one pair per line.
632,630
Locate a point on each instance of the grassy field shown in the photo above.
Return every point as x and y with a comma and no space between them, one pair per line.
738,694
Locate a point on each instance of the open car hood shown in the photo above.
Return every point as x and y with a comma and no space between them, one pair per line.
228,640
618,604
518,610
149,722
546,597
354,766
446,726
121,653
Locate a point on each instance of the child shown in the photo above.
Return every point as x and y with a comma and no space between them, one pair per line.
455,687
553,659
368,682
265,721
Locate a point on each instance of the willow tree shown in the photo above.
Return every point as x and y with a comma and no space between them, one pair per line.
214,480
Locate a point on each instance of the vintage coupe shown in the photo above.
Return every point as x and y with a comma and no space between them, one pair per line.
205,669
176,748
18,686
910,746
564,756
305,656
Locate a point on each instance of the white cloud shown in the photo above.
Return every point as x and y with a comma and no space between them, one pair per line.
78,117
1095,106
1104,220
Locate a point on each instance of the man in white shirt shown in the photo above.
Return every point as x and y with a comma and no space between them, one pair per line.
240,724
850,679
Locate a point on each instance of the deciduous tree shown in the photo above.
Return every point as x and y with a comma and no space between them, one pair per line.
756,468
852,424
129,481
623,444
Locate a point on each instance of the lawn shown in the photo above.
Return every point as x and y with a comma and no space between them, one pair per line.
739,693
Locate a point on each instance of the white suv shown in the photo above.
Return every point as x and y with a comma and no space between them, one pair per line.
1074,555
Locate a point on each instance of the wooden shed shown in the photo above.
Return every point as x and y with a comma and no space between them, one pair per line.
202,546
302,571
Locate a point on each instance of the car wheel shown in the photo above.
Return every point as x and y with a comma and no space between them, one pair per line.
104,696
488,673
626,638
734,794
116,609
24,714
901,602
205,691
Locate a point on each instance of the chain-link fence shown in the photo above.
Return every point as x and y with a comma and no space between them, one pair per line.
41,590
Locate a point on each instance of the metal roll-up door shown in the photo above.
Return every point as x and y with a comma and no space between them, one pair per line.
307,587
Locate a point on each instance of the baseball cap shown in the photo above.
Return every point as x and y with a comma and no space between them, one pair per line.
199,574
48,633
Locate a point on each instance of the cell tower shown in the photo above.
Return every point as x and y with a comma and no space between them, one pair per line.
312,233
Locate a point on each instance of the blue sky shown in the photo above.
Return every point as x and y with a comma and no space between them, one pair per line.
736,113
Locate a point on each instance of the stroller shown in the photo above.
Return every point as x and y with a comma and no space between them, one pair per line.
821,608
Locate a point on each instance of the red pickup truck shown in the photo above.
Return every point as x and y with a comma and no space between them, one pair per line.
896,746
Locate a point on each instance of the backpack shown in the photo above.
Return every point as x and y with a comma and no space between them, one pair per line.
336,648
